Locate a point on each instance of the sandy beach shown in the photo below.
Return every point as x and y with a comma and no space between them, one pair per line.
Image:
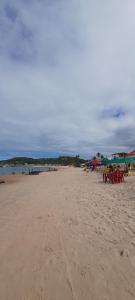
67,236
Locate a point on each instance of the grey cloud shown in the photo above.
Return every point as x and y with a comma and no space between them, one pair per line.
64,63
125,137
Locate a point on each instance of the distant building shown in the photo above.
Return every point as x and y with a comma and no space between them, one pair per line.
119,154
123,154
131,154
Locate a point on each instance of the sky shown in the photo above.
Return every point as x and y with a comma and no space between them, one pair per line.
67,77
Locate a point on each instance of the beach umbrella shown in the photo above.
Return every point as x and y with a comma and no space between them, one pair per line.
96,162
105,161
122,160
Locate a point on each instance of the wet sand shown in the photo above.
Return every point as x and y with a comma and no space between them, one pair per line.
67,236
7,179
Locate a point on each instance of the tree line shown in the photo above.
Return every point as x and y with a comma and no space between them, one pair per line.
61,160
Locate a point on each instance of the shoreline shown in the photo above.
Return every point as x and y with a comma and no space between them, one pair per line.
13,178
27,170
8,179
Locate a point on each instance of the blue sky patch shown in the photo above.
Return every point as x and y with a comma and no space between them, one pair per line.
115,113
11,12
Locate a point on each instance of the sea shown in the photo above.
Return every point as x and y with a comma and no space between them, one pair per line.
7,170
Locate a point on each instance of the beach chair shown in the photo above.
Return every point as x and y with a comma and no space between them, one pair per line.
113,177
119,176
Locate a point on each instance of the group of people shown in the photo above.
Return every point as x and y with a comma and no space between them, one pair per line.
111,168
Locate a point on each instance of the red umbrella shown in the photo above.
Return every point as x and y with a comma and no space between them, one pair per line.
95,162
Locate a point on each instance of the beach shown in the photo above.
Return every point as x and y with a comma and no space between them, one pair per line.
66,235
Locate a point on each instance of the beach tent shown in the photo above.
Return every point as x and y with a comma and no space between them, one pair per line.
124,160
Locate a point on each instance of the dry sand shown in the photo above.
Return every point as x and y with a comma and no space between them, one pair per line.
67,236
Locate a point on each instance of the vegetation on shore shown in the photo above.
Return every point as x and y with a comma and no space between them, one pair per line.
61,160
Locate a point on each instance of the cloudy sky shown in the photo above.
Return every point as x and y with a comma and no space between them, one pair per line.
67,76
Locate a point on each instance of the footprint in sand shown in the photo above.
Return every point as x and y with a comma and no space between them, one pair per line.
39,217
48,249
133,261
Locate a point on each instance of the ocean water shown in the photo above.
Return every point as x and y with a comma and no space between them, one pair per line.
22,169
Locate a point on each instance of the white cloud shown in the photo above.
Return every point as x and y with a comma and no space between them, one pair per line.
63,63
